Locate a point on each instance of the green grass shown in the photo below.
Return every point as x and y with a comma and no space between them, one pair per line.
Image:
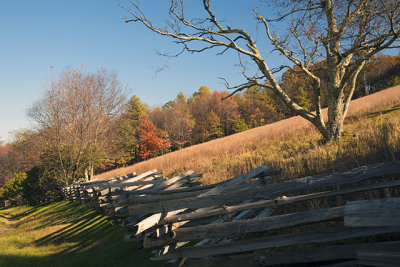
64,234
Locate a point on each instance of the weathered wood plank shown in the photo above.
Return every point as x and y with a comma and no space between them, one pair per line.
154,219
107,181
155,198
119,184
232,183
157,217
328,235
222,219
191,203
276,202
173,191
351,263
167,248
158,183
197,202
245,226
196,188
305,255
175,179
125,197
339,178
300,184
380,212
388,257
139,183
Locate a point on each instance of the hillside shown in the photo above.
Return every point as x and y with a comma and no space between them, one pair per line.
292,144
64,234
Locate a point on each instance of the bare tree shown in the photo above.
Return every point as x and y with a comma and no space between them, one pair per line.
344,33
75,115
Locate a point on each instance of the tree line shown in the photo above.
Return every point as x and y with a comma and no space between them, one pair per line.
86,123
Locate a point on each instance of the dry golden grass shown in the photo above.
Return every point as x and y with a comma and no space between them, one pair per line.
292,144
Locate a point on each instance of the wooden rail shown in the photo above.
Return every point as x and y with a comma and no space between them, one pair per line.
306,220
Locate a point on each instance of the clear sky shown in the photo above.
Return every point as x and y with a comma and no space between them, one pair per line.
41,38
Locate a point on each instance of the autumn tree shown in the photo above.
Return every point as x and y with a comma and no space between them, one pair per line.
300,87
199,105
379,71
127,129
76,114
213,127
344,33
21,154
10,163
152,141
202,94
257,107
227,110
178,122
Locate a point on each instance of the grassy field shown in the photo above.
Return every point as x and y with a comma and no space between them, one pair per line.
69,234
64,234
371,135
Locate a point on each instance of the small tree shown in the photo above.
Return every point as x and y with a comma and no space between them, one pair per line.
152,142
41,186
127,129
302,99
239,125
178,123
13,189
344,33
213,127
257,107
394,81
75,114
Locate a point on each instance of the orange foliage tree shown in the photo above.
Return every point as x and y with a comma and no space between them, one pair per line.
153,141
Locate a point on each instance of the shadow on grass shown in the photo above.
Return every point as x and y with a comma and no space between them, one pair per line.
24,213
378,113
20,214
84,236
83,259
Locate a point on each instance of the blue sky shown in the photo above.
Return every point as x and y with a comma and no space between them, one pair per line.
39,39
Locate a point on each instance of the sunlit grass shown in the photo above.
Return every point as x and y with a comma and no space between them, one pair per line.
371,136
64,234
366,140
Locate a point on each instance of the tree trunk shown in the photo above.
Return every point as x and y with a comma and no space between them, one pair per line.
334,127
335,95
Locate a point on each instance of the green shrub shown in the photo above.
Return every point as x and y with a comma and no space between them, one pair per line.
41,186
13,189
394,81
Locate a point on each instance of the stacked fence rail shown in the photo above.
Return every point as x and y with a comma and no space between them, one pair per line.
345,218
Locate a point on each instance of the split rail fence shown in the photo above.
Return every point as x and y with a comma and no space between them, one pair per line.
346,218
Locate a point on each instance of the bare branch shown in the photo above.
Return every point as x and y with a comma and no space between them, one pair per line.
341,34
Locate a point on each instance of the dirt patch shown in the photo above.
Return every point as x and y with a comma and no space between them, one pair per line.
10,225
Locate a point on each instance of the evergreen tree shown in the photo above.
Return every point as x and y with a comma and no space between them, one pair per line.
127,130
302,99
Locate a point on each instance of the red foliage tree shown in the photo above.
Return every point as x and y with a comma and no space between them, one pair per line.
153,141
